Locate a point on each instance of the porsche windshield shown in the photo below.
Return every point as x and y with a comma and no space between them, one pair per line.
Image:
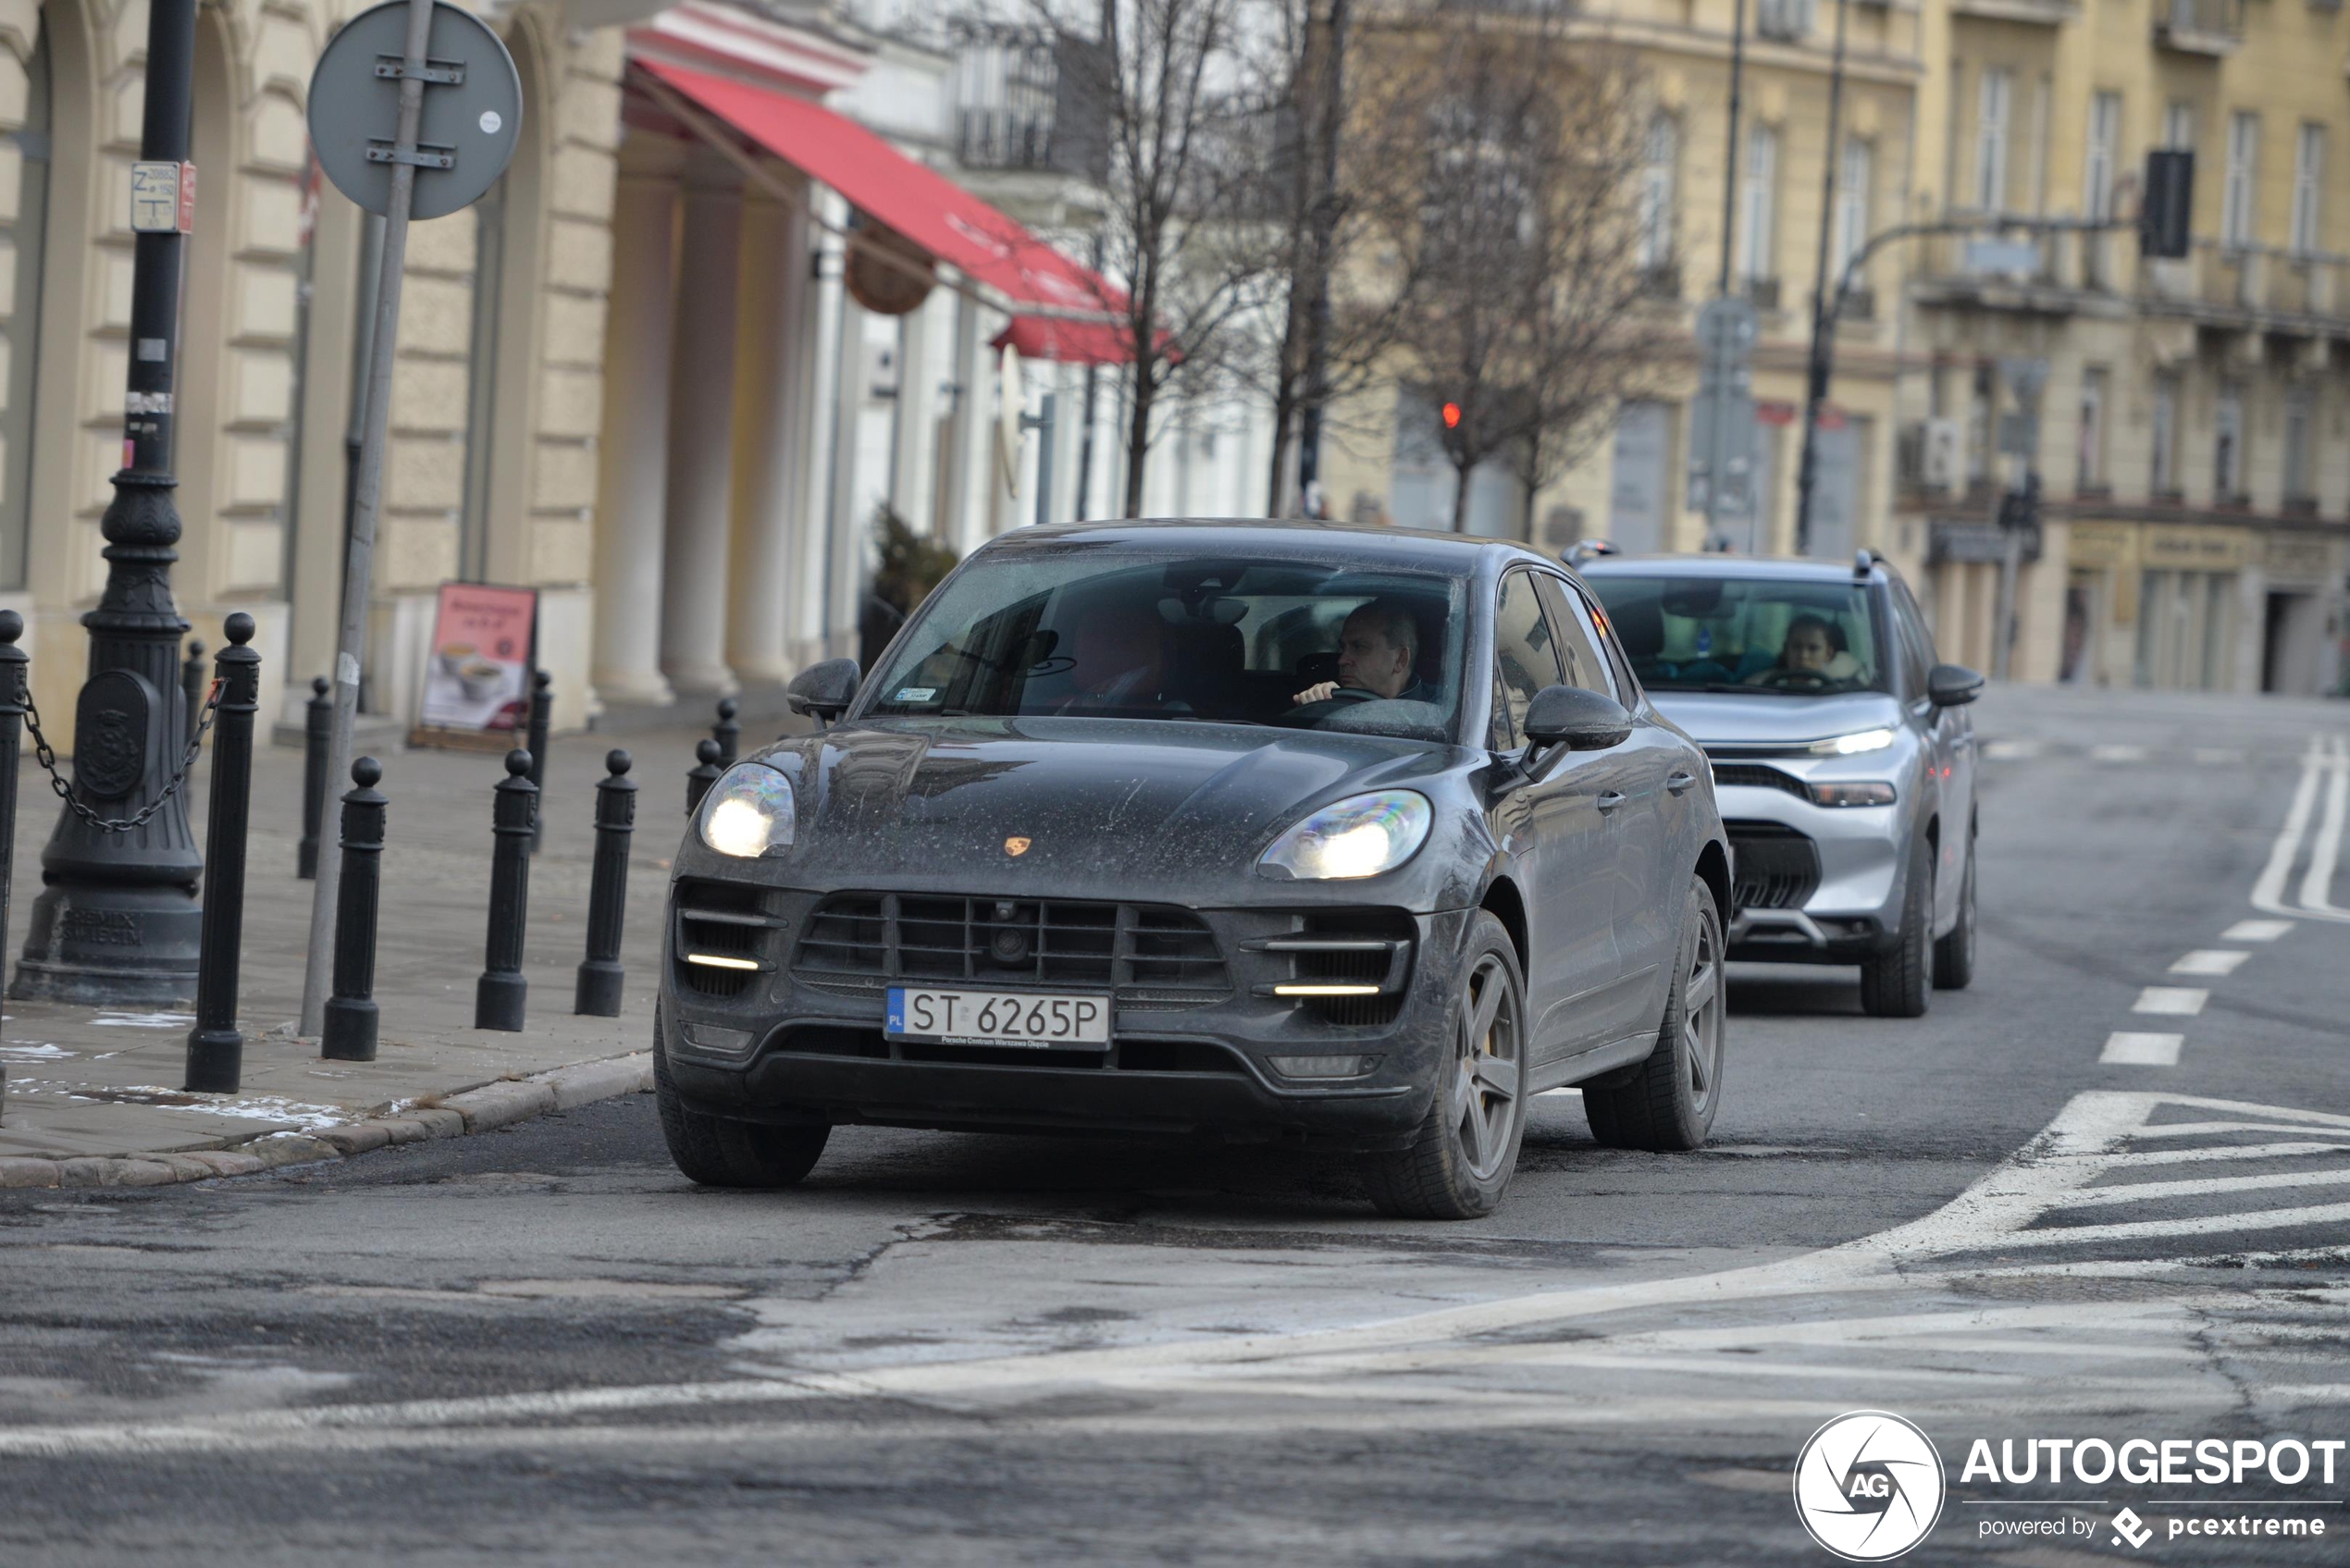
1759,635
1110,632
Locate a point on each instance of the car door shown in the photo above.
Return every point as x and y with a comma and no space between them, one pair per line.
1650,775
1550,821
1949,749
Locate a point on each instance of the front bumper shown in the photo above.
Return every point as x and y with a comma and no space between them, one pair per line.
1816,884
816,1052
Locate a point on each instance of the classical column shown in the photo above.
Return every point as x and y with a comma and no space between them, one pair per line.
632,489
815,370
701,412
766,455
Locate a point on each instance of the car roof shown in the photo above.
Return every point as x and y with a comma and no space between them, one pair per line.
1458,554
1780,568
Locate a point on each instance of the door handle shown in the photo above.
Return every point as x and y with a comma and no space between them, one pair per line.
1679,783
1609,799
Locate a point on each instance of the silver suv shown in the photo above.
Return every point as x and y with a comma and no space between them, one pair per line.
1843,757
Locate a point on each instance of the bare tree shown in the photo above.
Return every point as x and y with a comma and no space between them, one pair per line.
1519,146
1184,239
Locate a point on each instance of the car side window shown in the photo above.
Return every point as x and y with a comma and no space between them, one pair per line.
1524,657
1577,643
1627,686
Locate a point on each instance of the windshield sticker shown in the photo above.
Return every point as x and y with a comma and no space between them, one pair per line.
916,694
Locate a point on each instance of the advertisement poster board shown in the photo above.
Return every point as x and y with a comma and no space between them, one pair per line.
477,685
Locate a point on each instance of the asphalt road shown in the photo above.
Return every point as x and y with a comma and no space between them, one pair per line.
542,1345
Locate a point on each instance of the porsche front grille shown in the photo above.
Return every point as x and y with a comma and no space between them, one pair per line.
857,942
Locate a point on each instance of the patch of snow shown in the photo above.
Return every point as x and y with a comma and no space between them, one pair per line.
27,1052
144,1020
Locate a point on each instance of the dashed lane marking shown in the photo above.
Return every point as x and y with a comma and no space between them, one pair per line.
2211,961
2125,1048
2113,753
2172,1000
2256,930
2010,750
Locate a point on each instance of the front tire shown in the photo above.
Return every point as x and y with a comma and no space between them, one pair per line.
1954,953
1895,985
717,1152
1460,1164
1668,1102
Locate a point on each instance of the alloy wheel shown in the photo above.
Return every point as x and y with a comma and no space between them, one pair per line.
1701,1017
1486,1062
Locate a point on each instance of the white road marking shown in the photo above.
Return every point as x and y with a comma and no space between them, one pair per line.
2172,1000
2256,930
2125,1048
2147,1191
2111,753
2327,758
2010,750
2317,882
2211,961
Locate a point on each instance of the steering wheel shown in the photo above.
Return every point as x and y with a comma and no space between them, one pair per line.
1337,702
1809,680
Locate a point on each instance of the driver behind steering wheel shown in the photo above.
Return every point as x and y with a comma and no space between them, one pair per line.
1814,646
1379,647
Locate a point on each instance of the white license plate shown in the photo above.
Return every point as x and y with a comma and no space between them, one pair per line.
998,1018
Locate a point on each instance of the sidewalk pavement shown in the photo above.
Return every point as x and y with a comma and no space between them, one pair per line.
93,1097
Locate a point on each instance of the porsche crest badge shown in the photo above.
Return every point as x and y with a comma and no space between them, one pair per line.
1016,846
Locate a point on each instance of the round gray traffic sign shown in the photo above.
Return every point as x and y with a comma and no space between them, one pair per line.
471,112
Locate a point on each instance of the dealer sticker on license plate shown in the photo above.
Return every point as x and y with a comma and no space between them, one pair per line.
998,1018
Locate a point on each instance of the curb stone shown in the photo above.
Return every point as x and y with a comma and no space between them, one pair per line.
476,1110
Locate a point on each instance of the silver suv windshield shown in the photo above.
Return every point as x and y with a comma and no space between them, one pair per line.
1760,634
1111,632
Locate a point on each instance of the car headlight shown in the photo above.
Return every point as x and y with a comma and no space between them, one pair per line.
1853,743
749,813
1873,793
1359,836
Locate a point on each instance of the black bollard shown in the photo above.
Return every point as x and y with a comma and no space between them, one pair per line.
194,683
498,999
727,733
13,663
702,775
215,1051
600,975
542,707
317,726
350,1033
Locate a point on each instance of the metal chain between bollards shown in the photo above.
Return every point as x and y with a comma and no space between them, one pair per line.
46,756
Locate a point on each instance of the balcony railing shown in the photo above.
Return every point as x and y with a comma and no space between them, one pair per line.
2254,284
2210,28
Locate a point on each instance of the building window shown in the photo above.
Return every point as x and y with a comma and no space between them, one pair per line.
1853,202
2089,470
1991,142
2226,446
2105,140
2300,486
1657,176
1978,431
2236,213
2308,177
1757,239
2166,433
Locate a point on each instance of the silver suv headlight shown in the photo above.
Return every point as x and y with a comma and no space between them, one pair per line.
1852,744
1359,836
749,813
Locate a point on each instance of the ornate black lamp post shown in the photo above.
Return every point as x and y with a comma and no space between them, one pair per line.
117,920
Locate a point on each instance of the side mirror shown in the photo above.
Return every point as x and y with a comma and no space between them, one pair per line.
823,691
1947,685
1578,720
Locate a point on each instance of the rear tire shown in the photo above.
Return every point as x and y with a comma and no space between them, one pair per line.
718,1153
1668,1102
1954,953
1894,984
1460,1164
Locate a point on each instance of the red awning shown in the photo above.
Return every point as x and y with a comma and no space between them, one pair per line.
1071,342
923,204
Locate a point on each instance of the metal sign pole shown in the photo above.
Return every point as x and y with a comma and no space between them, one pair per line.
473,118
358,573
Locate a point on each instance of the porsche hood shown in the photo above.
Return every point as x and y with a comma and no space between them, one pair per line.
1086,808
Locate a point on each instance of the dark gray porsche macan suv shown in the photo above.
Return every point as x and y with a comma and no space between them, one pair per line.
1352,839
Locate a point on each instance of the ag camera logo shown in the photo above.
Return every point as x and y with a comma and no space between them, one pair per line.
1868,1486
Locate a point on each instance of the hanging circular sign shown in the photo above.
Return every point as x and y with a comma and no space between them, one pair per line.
887,273
472,116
